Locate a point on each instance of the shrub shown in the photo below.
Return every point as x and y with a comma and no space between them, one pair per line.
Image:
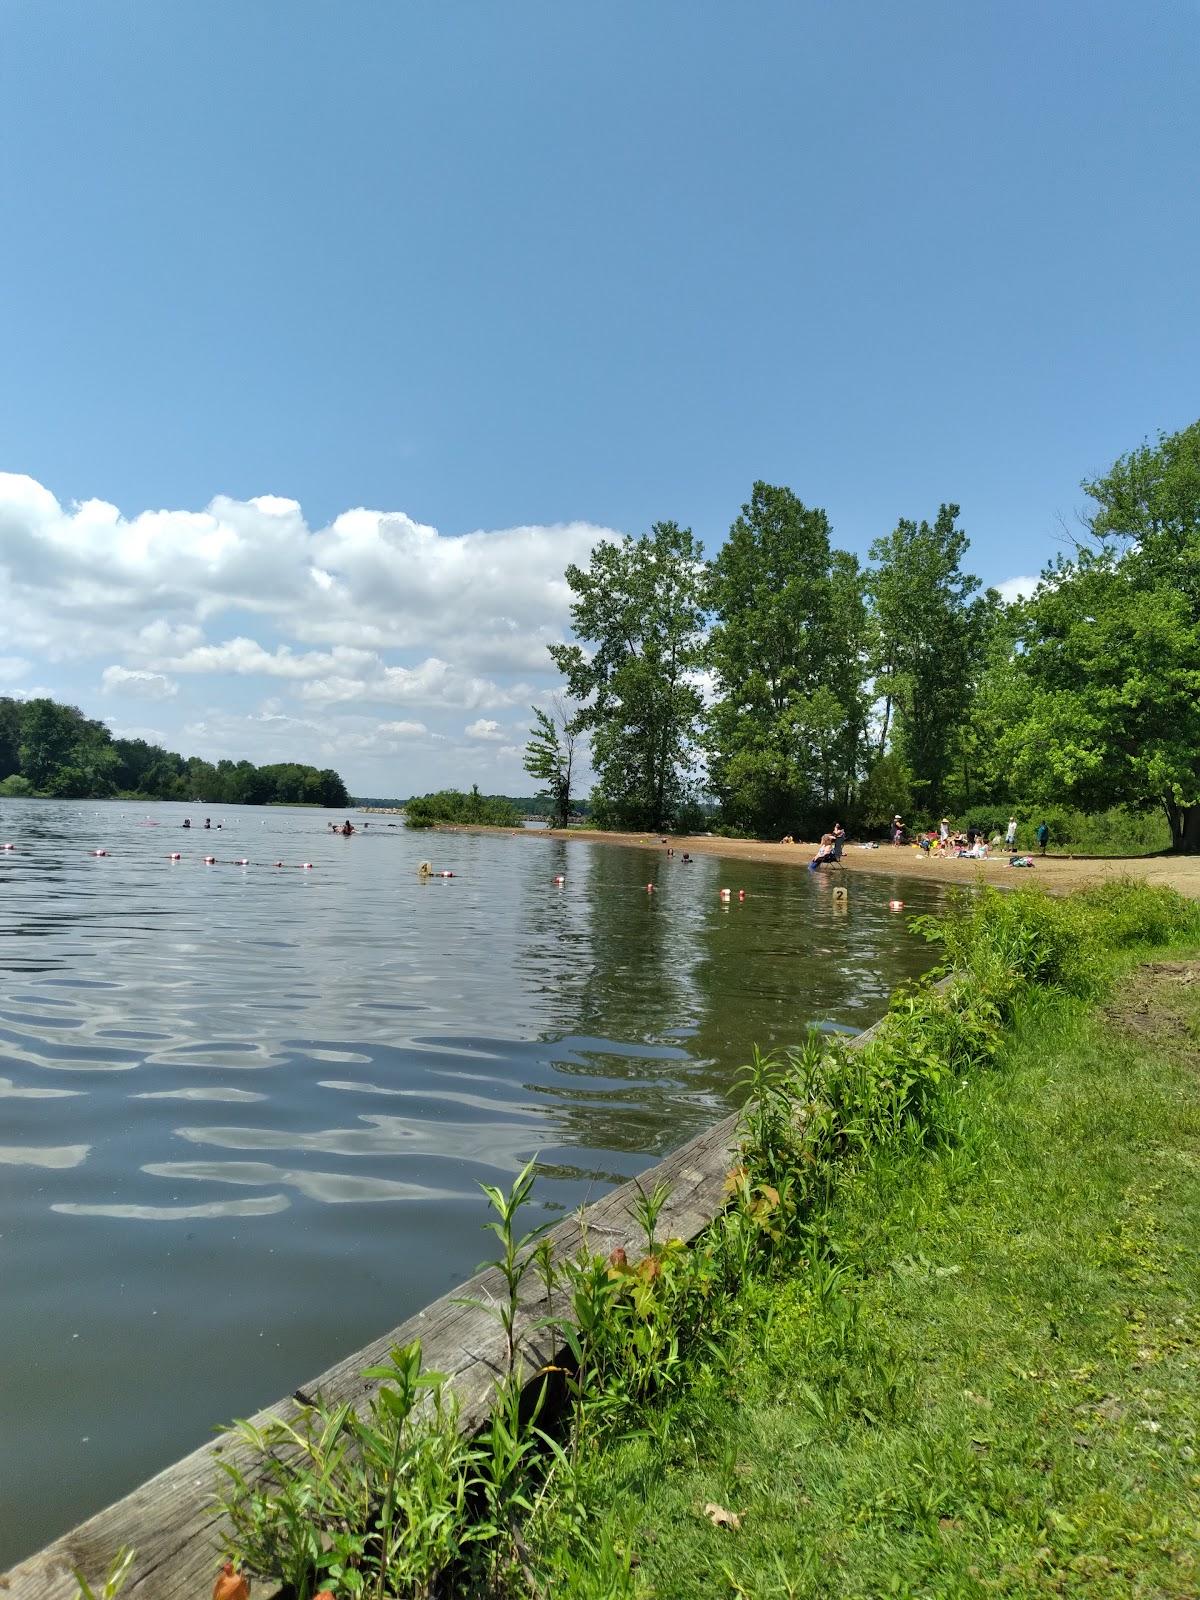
455,806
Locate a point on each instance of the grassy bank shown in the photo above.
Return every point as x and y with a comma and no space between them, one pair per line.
940,1340
983,1377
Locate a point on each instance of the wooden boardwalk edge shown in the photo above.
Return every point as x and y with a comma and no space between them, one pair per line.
168,1519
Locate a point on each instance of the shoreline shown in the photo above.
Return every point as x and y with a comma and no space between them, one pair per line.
1052,872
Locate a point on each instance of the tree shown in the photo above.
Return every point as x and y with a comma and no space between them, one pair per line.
887,791
1148,506
1104,686
550,758
639,605
48,735
332,789
10,736
787,650
932,631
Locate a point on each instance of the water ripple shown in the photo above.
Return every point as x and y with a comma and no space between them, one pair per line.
352,1053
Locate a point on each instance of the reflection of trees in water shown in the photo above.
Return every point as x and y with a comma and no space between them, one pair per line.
686,984
622,964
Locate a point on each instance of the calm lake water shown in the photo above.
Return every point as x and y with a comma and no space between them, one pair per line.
244,1111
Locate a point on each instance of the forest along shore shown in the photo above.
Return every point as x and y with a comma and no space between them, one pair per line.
1051,871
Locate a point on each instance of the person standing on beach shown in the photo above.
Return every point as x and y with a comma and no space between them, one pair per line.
1010,837
1043,836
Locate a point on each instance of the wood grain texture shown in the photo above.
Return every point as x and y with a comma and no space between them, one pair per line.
168,1520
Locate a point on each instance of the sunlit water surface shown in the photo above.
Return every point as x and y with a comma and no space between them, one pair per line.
244,1111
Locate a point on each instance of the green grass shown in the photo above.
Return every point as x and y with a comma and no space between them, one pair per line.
986,1379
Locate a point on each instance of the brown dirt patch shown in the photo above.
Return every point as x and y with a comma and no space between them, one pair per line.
1159,1002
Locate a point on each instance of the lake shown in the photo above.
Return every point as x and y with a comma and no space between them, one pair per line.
244,1111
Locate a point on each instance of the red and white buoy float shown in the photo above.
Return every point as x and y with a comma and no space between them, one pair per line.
895,905
99,852
175,856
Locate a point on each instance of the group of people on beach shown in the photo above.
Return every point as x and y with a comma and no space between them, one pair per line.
968,843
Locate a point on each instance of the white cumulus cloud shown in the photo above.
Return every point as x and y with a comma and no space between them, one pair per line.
137,682
373,633
1016,589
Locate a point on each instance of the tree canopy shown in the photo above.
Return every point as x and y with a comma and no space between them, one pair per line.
638,605
793,685
786,652
1102,693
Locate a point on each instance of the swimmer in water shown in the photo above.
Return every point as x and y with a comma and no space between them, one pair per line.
187,822
208,822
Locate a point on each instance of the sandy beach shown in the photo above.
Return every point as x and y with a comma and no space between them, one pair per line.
1052,871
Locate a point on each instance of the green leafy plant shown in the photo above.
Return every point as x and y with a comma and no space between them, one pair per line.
373,1505
114,1580
518,1253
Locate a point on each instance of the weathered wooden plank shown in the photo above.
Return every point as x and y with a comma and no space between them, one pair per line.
168,1520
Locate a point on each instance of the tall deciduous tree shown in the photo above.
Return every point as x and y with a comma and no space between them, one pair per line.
550,757
1105,686
787,650
49,735
932,629
638,607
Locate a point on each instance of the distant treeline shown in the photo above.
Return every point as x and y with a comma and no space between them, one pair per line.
52,749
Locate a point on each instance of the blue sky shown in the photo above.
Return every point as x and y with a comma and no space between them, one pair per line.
548,267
